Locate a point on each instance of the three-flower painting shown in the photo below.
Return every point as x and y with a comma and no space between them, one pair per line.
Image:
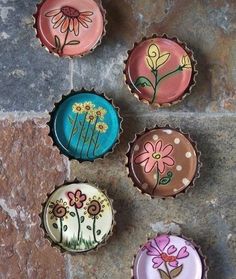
75,218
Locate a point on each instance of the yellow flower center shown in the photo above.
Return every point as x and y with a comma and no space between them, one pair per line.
156,156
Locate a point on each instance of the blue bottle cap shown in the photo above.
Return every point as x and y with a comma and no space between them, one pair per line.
85,125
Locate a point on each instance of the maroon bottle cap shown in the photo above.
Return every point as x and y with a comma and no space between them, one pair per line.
160,71
70,27
169,256
163,162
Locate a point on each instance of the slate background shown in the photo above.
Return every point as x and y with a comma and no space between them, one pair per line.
32,80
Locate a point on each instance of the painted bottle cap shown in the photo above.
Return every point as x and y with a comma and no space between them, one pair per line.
77,217
160,71
169,256
163,162
70,27
85,125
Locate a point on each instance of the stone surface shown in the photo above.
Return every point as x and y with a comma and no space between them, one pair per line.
32,80
29,168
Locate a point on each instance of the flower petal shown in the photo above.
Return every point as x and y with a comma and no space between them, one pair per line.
157,262
183,253
153,51
168,161
82,22
167,150
65,25
142,157
174,264
57,17
171,249
158,146
78,194
76,27
150,62
86,13
162,241
71,197
150,164
149,147
59,22
151,250
162,60
71,25
86,18
52,13
161,166
83,198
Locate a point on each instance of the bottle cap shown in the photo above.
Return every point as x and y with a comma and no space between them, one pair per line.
70,27
169,256
163,162
77,217
85,125
160,70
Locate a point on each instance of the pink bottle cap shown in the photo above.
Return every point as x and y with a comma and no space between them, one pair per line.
70,27
160,70
169,257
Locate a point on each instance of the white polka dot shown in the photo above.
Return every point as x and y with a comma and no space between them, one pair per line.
143,164
185,181
168,131
155,176
144,185
155,137
176,140
179,168
175,190
136,148
188,154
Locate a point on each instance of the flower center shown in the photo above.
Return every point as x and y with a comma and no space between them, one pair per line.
156,155
70,12
167,258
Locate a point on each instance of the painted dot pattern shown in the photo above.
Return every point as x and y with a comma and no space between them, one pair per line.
166,162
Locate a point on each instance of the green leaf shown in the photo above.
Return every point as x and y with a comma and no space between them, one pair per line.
55,225
164,180
176,272
82,219
57,42
65,228
99,232
142,82
72,121
73,42
72,214
89,228
169,174
163,274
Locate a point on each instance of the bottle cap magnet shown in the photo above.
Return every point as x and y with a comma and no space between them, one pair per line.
163,162
70,27
78,217
160,70
85,125
169,257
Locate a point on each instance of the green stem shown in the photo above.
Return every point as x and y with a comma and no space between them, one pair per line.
157,81
77,213
64,44
71,134
85,137
168,272
96,143
157,182
81,131
94,229
61,237
92,137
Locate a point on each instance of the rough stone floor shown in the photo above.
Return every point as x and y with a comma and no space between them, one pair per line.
31,80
